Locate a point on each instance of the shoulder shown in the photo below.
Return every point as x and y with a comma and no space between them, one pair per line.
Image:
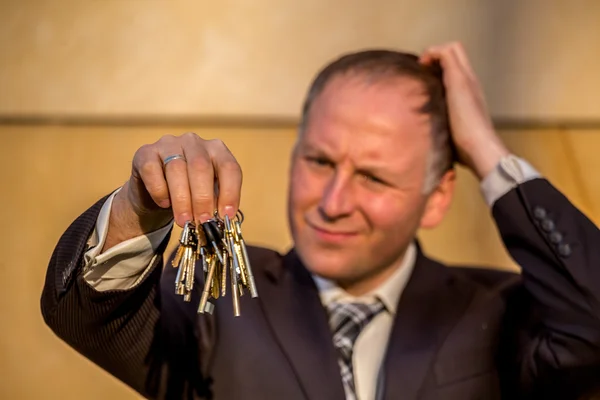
486,278
486,284
475,277
264,257
496,291
261,253
491,284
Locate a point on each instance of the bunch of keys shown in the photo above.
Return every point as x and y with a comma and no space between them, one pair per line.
221,247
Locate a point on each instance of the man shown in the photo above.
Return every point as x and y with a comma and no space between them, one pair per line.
355,310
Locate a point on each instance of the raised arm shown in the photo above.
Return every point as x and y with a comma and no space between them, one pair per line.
555,323
556,334
143,333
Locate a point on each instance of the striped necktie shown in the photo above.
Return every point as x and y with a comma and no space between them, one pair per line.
347,320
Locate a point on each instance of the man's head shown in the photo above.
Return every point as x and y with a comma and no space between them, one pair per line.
371,165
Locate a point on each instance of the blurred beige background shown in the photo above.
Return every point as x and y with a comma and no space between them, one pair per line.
84,83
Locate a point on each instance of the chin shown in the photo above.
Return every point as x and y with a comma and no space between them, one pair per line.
327,264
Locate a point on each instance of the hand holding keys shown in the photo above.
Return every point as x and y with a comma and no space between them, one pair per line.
219,244
189,179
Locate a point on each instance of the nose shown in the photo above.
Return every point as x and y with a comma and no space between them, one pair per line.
337,200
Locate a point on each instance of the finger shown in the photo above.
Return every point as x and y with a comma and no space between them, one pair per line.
442,54
430,54
177,181
446,60
451,65
229,176
201,179
455,58
461,56
147,168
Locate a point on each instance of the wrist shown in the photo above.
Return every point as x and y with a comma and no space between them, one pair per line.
483,159
126,223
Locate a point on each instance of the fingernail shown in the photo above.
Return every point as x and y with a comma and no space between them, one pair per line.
183,218
205,217
229,210
164,203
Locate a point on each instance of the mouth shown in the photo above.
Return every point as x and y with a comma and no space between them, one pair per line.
328,235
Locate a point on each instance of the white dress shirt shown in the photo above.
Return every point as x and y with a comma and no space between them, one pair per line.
123,266
370,345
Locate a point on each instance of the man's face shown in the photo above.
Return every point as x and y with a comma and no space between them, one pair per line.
356,191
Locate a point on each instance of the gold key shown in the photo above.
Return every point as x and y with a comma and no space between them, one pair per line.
223,279
221,249
209,286
234,290
216,290
235,252
185,260
245,260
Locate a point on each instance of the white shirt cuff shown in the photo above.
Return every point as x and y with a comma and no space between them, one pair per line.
510,172
123,266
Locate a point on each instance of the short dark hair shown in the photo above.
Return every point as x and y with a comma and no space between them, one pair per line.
388,63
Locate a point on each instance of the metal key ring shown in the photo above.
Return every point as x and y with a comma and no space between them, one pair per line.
239,215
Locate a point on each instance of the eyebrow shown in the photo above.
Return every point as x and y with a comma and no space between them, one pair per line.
310,147
379,172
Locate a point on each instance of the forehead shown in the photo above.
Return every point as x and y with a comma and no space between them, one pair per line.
370,111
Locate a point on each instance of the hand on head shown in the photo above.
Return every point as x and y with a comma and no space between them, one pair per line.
478,146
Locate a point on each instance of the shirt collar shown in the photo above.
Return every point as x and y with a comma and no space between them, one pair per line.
388,292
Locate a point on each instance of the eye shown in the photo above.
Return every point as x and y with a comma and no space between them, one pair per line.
320,161
372,179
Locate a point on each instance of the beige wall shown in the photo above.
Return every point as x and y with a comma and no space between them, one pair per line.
537,58
51,174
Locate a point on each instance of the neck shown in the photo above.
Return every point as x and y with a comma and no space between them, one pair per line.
366,284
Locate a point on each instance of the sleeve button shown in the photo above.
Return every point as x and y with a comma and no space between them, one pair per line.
564,250
556,237
539,212
547,225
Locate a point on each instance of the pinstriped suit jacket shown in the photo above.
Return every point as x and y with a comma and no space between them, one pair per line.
459,333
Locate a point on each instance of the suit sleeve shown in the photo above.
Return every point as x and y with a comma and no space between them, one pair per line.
558,249
145,336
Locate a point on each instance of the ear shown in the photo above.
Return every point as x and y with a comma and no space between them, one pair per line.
439,201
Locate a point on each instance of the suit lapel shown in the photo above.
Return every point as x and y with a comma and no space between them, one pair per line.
293,309
430,305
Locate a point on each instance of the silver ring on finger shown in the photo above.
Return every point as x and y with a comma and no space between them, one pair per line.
173,157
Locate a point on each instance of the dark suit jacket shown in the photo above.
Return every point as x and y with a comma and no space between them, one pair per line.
459,333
